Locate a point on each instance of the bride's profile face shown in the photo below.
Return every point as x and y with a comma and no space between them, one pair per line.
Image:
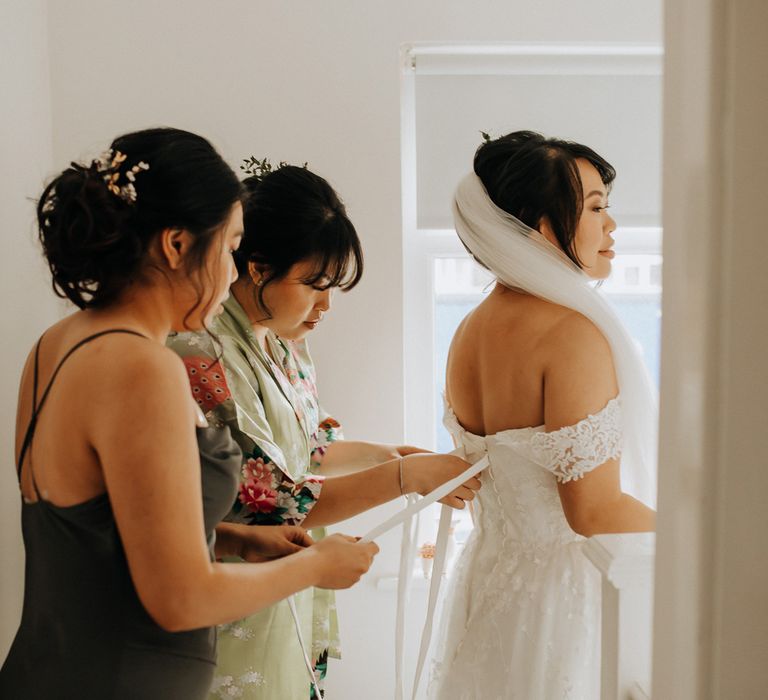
593,241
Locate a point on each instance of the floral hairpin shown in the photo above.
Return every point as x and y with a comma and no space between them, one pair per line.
108,166
259,168
50,201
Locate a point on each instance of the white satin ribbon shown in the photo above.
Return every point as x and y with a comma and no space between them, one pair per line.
428,500
407,554
307,660
438,567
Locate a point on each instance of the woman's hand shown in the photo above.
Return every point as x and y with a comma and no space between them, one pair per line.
342,560
265,542
257,543
424,472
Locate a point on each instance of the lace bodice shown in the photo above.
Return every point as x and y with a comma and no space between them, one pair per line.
519,499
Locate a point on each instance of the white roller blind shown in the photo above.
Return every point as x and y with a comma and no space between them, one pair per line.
606,97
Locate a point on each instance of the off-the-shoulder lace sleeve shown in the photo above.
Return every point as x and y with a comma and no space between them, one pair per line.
570,452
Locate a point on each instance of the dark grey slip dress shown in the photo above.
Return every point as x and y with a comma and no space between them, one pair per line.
84,634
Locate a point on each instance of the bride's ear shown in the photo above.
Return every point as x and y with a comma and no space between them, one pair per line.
546,230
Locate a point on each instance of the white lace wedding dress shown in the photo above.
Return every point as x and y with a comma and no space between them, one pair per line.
521,620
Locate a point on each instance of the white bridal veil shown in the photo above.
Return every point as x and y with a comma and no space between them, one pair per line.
520,257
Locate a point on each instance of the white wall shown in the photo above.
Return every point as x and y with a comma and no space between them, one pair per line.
711,621
304,81
27,303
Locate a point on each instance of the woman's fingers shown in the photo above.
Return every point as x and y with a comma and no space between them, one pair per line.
300,536
474,483
348,538
464,493
372,549
345,560
453,502
459,496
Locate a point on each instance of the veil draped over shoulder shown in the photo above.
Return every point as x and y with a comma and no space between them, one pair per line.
520,257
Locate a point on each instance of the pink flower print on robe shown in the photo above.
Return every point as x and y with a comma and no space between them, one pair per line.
258,488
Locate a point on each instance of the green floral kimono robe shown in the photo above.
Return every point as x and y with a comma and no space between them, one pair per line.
273,412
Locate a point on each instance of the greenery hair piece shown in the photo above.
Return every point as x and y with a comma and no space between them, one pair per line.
259,168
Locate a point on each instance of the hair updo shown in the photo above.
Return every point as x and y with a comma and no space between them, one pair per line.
95,237
292,215
535,178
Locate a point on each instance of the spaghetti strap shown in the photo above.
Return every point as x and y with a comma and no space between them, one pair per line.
37,408
36,374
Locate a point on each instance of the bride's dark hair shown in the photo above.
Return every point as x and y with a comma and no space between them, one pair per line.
536,178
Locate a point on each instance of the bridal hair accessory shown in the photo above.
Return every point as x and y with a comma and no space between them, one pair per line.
259,168
108,166
522,258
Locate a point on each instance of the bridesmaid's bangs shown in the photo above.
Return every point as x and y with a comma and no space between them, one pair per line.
292,215
339,261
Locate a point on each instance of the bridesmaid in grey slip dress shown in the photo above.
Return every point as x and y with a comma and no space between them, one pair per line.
121,593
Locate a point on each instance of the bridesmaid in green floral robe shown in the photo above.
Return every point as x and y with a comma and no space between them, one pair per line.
272,408
257,377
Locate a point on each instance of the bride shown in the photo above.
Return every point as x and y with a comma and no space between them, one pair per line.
543,379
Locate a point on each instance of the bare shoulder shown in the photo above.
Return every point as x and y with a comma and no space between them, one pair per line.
463,328
507,311
138,363
140,383
550,330
580,376
113,364
572,334
95,357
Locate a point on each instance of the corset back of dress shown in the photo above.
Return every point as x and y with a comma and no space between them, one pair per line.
520,498
518,503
